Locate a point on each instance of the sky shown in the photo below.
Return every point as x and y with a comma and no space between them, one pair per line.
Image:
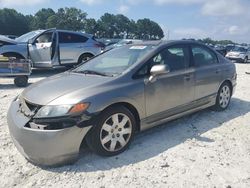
217,19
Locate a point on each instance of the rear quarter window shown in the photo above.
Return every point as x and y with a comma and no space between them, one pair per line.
71,38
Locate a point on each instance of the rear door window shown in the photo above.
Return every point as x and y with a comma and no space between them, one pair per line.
203,56
71,38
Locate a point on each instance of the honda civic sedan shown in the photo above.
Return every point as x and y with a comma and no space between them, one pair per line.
105,101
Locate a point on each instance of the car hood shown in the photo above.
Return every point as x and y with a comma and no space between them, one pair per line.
4,39
232,53
48,90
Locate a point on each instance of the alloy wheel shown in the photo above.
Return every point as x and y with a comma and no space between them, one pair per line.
116,132
225,95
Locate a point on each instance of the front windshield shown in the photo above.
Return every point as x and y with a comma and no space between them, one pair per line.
116,61
239,49
27,36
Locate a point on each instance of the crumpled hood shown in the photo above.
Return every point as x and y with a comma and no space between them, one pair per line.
4,39
47,90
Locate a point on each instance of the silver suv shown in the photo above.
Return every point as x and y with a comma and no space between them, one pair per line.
49,48
112,96
240,54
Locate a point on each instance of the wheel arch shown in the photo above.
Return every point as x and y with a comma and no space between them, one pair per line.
13,54
230,84
132,109
85,53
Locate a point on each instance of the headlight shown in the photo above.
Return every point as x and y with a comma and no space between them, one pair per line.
60,110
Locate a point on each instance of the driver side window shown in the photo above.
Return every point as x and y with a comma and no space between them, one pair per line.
176,57
44,38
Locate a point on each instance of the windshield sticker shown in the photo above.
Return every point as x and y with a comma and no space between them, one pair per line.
137,47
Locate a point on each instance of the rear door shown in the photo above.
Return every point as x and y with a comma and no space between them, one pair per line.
71,46
43,50
207,72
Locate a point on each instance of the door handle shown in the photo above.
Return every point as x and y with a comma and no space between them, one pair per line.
217,71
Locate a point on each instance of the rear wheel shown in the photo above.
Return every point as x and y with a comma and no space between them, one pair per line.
245,59
223,97
21,81
84,57
113,131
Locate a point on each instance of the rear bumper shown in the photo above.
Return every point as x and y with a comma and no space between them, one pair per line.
44,147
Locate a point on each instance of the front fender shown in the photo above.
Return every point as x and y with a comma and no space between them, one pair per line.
20,49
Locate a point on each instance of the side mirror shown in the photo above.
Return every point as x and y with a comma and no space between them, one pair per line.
157,70
30,41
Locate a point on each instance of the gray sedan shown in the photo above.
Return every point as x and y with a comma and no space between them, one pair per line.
49,48
114,95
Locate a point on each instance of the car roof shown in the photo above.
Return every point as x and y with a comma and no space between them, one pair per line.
166,42
76,32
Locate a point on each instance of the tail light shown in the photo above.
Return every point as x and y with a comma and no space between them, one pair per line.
99,45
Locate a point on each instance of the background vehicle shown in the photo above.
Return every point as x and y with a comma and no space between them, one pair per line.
221,49
106,100
52,47
240,54
122,43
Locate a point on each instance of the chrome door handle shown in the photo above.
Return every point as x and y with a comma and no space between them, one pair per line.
217,71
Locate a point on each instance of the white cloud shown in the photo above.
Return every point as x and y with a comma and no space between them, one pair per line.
188,33
237,30
184,2
222,8
91,2
123,9
234,30
13,3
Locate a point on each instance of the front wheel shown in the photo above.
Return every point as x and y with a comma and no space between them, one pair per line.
223,97
113,131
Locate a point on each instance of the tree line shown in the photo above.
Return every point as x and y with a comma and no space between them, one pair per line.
107,26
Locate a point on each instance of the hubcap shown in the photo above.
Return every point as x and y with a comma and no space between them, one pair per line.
85,59
116,132
225,96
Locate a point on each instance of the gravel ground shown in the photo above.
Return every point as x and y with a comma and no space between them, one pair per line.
206,149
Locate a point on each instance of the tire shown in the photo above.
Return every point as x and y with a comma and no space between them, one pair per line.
245,60
21,81
84,57
108,138
223,97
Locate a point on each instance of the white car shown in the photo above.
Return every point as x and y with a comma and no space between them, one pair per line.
239,54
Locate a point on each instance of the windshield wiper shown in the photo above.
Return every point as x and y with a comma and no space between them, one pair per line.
92,72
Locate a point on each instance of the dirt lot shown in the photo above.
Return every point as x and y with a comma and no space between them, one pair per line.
206,149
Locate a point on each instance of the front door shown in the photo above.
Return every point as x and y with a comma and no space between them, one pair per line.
168,93
43,50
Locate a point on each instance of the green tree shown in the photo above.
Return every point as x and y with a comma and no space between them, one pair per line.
108,24
91,26
12,22
41,17
148,29
67,18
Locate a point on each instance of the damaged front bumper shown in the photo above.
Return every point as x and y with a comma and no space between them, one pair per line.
44,147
